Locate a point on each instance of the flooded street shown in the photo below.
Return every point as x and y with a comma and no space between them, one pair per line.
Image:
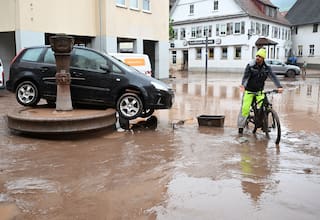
177,171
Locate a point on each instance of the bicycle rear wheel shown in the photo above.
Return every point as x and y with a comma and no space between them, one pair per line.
272,126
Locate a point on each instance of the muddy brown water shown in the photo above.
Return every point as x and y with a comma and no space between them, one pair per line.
179,170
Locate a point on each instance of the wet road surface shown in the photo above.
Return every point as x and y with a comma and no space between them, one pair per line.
177,171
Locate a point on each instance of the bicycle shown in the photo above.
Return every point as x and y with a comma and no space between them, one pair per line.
264,117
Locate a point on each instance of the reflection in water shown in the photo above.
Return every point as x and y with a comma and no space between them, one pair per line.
256,170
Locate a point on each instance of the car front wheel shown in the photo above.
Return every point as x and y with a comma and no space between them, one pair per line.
129,106
291,74
27,94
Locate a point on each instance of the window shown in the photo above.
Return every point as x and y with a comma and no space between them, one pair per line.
146,5
86,59
237,54
211,53
217,30
207,31
223,28
198,53
121,2
315,28
253,27
32,55
49,57
182,33
199,32
174,57
193,32
311,50
175,34
265,30
216,5
134,4
191,9
243,27
224,54
229,28
237,28
258,28
300,49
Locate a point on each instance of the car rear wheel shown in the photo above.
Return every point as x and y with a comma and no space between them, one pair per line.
27,94
291,74
129,106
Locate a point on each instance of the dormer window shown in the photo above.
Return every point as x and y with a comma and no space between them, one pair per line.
270,11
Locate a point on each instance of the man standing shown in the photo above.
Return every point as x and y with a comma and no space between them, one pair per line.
253,80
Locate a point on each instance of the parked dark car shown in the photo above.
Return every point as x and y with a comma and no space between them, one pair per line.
97,79
281,68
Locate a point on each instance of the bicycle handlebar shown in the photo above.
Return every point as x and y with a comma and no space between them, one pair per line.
265,92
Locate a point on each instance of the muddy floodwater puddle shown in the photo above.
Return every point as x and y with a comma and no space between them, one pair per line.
176,170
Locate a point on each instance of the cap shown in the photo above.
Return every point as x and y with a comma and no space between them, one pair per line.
262,53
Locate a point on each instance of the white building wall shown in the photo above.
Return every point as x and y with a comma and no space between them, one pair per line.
242,39
305,38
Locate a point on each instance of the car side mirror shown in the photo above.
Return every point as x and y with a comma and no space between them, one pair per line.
105,68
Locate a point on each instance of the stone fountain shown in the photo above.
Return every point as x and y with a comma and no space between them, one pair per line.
63,119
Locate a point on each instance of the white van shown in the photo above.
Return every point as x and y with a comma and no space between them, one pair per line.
139,61
2,83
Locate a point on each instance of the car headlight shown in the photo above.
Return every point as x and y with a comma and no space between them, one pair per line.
160,86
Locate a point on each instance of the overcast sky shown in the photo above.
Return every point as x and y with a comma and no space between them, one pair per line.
283,5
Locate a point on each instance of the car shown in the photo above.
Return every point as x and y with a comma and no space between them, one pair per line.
139,61
97,79
2,83
281,68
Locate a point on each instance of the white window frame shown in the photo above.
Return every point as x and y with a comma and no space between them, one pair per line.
311,50
193,32
198,53
237,28
146,5
215,5
223,30
121,3
134,4
300,50
235,53
191,9
222,54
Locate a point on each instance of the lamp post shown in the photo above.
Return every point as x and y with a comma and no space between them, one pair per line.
62,46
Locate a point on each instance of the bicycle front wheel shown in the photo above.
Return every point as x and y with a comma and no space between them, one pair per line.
272,126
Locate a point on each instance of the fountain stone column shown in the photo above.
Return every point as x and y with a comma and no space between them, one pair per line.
62,46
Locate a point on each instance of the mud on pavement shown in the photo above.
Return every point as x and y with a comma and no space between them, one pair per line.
177,170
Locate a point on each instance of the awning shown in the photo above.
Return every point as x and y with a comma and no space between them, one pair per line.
265,41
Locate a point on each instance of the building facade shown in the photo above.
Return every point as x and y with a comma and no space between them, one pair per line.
139,26
304,17
226,34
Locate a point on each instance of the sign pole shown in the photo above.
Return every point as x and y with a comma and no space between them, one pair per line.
206,66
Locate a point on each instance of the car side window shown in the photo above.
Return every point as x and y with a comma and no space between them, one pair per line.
49,57
85,59
114,68
31,55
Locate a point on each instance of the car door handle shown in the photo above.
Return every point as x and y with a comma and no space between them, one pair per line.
44,69
76,74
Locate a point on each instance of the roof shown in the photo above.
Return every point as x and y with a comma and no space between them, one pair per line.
265,41
249,7
252,9
304,12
